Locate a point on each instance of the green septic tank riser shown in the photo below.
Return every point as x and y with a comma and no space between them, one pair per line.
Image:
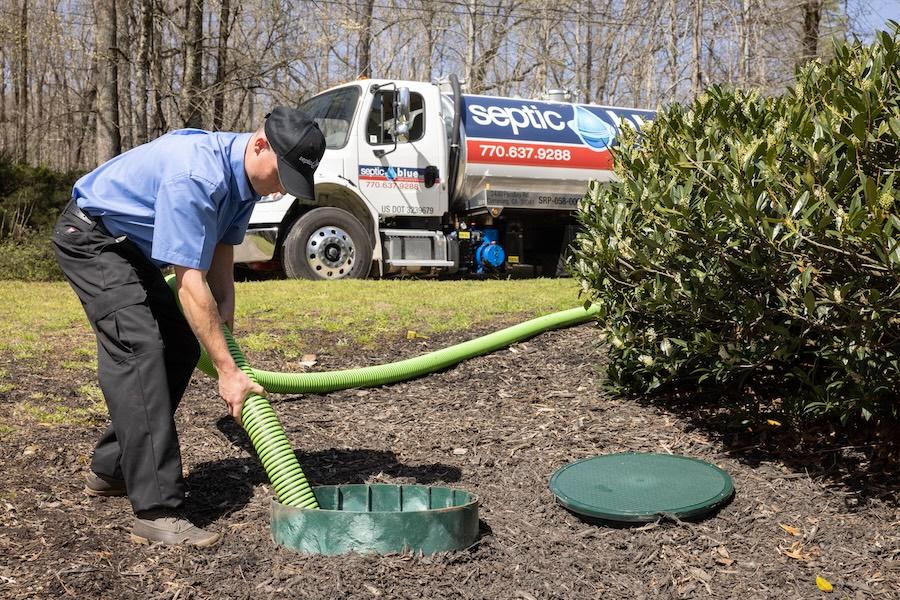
379,518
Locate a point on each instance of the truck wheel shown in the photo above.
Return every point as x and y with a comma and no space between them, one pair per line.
327,243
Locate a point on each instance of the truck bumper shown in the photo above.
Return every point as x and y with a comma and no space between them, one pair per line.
258,245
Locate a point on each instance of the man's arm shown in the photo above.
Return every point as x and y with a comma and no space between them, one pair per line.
202,314
221,282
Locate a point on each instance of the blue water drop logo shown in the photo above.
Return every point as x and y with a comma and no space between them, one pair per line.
593,131
391,173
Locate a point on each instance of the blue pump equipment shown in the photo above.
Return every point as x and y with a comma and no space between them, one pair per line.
490,254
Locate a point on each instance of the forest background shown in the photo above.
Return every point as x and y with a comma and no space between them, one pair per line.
82,81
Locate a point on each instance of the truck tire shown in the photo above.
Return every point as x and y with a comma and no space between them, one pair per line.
327,243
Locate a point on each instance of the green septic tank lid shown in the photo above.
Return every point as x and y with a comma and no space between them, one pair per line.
379,518
640,487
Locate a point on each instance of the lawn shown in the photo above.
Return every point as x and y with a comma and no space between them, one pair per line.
37,318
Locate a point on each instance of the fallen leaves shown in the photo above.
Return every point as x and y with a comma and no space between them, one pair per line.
790,529
823,584
798,551
722,557
308,360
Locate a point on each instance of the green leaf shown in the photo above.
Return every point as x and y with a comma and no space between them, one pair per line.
810,301
859,125
895,126
805,278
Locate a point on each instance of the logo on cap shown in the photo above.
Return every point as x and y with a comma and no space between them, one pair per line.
312,164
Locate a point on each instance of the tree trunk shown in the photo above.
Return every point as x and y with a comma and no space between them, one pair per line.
221,65
37,155
428,65
812,16
21,152
125,35
156,69
673,48
109,142
61,80
589,55
472,86
364,43
87,102
192,109
543,77
746,33
697,71
142,73
251,108
3,98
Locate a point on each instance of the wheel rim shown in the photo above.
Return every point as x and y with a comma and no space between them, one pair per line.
330,252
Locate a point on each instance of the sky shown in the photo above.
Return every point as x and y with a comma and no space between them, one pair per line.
875,14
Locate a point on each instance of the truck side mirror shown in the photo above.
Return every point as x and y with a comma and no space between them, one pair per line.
401,115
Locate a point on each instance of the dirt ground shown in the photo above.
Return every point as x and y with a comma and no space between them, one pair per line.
497,426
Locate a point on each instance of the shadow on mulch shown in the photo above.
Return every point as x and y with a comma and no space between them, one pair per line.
226,486
861,462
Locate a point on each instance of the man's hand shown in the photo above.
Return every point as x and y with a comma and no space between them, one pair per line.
235,387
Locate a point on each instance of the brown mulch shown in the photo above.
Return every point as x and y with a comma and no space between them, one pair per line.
498,426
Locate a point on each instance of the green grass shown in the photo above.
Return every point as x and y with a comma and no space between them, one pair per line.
50,410
45,321
37,318
6,383
366,311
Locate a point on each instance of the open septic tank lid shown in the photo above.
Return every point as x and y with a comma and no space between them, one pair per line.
641,487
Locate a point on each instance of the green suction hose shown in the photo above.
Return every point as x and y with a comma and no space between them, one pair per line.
298,383
266,433
270,442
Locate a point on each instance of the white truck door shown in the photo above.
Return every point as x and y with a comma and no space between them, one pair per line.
395,178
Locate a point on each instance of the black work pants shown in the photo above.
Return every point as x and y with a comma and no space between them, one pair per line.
146,353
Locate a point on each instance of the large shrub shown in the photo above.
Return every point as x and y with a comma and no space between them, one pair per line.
31,199
28,258
754,243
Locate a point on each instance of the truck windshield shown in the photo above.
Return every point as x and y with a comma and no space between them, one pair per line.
333,112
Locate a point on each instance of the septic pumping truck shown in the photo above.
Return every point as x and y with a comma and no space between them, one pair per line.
420,178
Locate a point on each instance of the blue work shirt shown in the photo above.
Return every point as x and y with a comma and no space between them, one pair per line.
175,197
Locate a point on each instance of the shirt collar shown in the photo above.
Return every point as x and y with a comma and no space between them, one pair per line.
240,182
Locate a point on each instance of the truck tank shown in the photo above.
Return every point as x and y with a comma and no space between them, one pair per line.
532,154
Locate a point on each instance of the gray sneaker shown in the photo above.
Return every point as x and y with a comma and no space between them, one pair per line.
101,485
170,527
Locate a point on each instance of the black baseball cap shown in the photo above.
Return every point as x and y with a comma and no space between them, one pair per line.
299,145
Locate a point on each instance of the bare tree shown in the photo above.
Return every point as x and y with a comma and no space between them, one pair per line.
159,121
364,43
812,15
746,33
142,72
57,57
21,95
108,136
2,92
221,64
192,107
125,28
696,72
